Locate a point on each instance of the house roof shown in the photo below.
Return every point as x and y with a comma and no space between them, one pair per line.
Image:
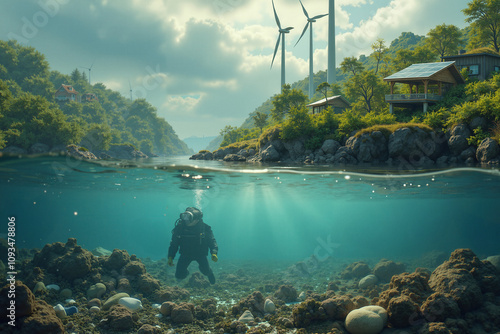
68,89
428,71
330,99
466,55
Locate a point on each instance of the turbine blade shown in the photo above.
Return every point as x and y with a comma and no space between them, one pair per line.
289,28
276,16
276,49
318,16
304,9
303,32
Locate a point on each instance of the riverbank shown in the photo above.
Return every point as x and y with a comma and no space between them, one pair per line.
407,147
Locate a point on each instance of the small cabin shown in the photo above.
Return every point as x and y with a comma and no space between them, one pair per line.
480,63
66,93
427,83
89,97
338,104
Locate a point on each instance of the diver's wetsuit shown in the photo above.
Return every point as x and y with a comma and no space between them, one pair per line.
193,243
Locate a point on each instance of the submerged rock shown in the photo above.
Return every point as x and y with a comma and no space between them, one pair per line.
368,281
96,291
365,321
183,313
113,300
120,318
356,270
246,317
385,269
132,304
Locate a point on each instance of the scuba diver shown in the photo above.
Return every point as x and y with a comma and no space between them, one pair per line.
193,238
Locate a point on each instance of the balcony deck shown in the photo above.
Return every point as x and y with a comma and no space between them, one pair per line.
412,98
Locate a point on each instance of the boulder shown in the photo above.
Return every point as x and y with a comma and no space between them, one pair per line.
117,259
364,321
439,307
286,293
338,307
344,156
39,148
369,147
385,269
269,306
234,157
458,144
330,146
134,268
461,130
270,154
478,122
246,317
80,153
166,308
96,291
355,270
368,281
120,318
402,311
487,150
25,300
42,320
494,260
182,313
14,150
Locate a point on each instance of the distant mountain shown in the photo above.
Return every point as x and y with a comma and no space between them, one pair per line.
198,143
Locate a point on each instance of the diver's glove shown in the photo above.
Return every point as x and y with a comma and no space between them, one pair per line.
215,258
170,262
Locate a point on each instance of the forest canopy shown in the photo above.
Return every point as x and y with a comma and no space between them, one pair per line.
30,114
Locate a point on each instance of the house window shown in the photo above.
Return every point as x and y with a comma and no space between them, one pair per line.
496,68
473,69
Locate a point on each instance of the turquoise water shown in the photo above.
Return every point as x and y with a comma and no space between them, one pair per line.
256,212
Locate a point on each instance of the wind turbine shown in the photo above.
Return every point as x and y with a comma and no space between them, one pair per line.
282,34
88,68
310,22
130,90
331,42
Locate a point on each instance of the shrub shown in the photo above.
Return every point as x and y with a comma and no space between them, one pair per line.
478,137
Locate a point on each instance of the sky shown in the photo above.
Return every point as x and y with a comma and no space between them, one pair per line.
205,64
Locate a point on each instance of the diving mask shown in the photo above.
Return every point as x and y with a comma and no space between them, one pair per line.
187,217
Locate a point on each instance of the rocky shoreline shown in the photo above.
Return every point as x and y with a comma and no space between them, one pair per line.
116,152
64,288
407,147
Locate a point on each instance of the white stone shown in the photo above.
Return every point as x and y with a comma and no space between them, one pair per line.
60,312
368,281
53,287
364,322
269,306
70,301
94,309
133,304
379,310
302,296
246,317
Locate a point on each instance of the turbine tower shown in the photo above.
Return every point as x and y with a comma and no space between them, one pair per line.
310,22
331,43
281,36
89,68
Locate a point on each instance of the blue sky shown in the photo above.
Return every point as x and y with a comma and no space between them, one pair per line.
205,64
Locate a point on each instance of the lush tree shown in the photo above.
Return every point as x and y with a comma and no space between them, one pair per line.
289,98
379,53
444,39
324,88
98,137
405,58
298,124
30,62
32,119
484,16
38,85
367,92
260,120
351,65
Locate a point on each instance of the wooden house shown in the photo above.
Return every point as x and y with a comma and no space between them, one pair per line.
480,63
66,93
338,103
89,97
427,84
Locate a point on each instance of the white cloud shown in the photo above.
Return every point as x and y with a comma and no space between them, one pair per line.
182,104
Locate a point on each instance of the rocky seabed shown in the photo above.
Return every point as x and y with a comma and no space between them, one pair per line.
64,288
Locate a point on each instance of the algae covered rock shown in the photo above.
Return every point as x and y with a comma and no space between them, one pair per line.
166,308
42,320
286,293
117,259
385,269
120,318
368,281
69,260
96,291
307,312
338,307
439,307
402,311
182,313
246,317
356,270
25,301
